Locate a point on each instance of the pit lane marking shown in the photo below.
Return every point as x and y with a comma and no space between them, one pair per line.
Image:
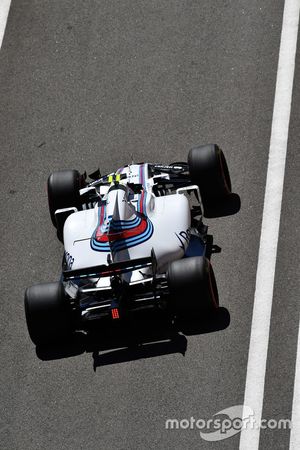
4,10
260,329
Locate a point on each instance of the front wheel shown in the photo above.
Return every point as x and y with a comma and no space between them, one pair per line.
208,169
63,192
192,285
48,314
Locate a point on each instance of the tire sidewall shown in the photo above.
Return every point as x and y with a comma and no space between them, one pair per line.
47,312
192,285
209,170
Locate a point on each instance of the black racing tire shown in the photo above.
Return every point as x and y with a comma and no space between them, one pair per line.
192,285
208,169
48,313
63,191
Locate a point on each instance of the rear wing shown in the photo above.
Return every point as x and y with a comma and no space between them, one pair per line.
112,269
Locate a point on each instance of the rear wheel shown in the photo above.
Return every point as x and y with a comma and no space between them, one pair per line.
208,169
48,313
193,287
63,192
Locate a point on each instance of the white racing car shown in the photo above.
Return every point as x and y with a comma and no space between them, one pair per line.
133,240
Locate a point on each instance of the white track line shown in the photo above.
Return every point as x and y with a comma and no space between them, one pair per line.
295,432
4,10
258,349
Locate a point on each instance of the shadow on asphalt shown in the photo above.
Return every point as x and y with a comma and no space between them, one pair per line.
227,207
146,337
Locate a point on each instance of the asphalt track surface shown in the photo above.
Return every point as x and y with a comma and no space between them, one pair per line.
99,83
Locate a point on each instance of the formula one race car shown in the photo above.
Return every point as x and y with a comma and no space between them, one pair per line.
133,240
